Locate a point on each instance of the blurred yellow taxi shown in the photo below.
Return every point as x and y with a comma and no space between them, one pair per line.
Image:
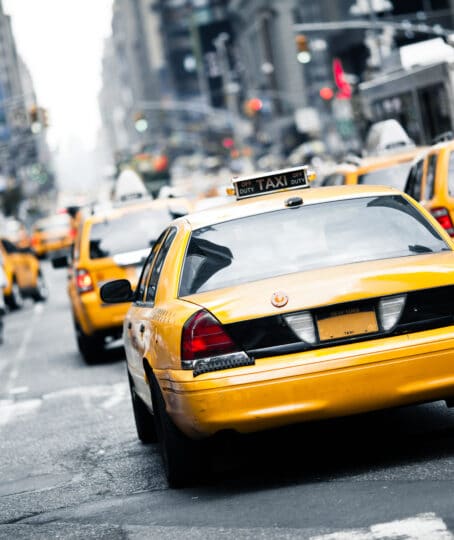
53,235
23,273
290,304
112,245
431,181
389,169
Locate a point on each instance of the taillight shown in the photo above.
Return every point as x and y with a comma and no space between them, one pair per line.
84,282
206,346
72,233
34,241
444,219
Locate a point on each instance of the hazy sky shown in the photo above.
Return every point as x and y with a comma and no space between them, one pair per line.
61,41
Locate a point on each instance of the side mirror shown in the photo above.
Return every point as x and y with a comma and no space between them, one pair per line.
60,262
117,292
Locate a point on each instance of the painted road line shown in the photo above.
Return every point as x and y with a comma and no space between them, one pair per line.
10,409
420,527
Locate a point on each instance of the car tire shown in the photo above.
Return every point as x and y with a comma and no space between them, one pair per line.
15,300
181,456
41,292
90,347
144,419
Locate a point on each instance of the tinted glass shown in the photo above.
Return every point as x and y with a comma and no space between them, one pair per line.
451,174
395,176
430,177
9,247
141,287
314,236
157,267
413,187
130,232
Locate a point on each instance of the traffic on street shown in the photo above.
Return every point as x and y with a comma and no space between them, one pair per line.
227,269
72,465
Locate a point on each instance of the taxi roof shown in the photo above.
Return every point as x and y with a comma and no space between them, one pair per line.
276,201
442,144
378,162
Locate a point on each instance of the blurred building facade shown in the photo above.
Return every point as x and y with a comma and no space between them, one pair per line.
246,60
25,161
131,76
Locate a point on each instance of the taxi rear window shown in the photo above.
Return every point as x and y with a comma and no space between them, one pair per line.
395,176
131,232
309,237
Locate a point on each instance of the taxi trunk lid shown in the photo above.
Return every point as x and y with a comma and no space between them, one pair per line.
344,304
328,286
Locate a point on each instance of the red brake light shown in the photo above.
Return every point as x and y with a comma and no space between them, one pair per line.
444,219
84,282
203,336
72,233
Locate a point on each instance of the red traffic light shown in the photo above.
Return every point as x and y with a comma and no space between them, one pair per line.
255,104
326,93
228,142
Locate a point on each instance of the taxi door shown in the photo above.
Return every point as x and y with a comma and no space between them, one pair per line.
138,327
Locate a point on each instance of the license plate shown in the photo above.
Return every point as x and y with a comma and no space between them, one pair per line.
338,325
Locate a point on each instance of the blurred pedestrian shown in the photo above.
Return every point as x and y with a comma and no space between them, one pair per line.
3,283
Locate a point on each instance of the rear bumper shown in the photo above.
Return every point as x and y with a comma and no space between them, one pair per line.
96,317
327,383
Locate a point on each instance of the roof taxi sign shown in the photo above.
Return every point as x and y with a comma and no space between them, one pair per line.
282,180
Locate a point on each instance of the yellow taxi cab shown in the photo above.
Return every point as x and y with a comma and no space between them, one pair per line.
110,245
53,236
23,274
291,304
431,182
389,169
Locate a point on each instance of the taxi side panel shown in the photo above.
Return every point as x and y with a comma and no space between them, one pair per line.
158,344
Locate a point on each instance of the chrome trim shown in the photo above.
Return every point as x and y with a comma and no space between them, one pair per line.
232,357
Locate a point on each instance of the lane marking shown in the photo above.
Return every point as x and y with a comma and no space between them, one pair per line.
110,394
10,409
38,308
21,352
420,527
119,395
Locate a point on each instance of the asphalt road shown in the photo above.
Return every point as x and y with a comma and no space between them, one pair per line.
72,467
